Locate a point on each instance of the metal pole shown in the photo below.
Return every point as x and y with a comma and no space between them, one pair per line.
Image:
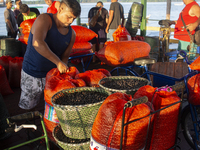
78,19
144,21
168,9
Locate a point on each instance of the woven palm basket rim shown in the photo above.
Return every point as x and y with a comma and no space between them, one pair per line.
68,144
78,89
122,77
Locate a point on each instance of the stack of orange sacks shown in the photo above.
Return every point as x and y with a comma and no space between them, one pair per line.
56,82
82,45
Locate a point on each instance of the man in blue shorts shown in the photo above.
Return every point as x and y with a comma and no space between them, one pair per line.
99,28
49,45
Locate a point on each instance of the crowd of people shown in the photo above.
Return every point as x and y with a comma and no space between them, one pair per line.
51,37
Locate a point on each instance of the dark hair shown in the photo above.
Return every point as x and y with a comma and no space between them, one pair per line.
100,2
24,8
73,5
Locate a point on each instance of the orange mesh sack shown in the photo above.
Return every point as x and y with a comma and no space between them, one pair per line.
24,38
4,85
121,34
15,67
146,90
106,129
104,71
195,65
55,84
194,89
26,25
78,82
91,77
4,61
81,46
83,34
123,52
165,121
73,71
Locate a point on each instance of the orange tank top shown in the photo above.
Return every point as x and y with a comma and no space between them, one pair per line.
52,9
179,31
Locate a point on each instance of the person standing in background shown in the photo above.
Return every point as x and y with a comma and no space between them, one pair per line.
11,23
116,18
53,6
99,28
16,10
191,17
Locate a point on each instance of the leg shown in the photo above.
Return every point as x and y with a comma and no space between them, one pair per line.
31,91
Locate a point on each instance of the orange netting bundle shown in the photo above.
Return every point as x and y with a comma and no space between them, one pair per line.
73,71
83,34
194,89
55,84
24,38
4,84
121,34
123,52
165,121
78,82
92,77
4,61
15,67
195,65
26,27
106,128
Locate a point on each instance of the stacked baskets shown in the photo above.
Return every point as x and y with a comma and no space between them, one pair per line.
76,110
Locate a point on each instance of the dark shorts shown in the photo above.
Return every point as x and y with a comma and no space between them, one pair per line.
102,37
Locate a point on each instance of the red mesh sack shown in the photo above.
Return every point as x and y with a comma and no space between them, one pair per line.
78,82
73,71
15,67
194,89
195,65
138,37
27,24
91,77
104,71
83,34
81,46
78,53
123,52
106,128
146,90
165,121
24,38
121,34
4,61
55,84
4,85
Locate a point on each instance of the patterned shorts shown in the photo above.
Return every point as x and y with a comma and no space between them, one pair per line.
32,90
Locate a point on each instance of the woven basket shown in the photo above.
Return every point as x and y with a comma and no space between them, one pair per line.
69,145
138,82
76,120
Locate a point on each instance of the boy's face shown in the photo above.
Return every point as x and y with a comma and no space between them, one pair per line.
99,5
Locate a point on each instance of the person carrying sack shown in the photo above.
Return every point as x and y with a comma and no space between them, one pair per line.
191,16
97,20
